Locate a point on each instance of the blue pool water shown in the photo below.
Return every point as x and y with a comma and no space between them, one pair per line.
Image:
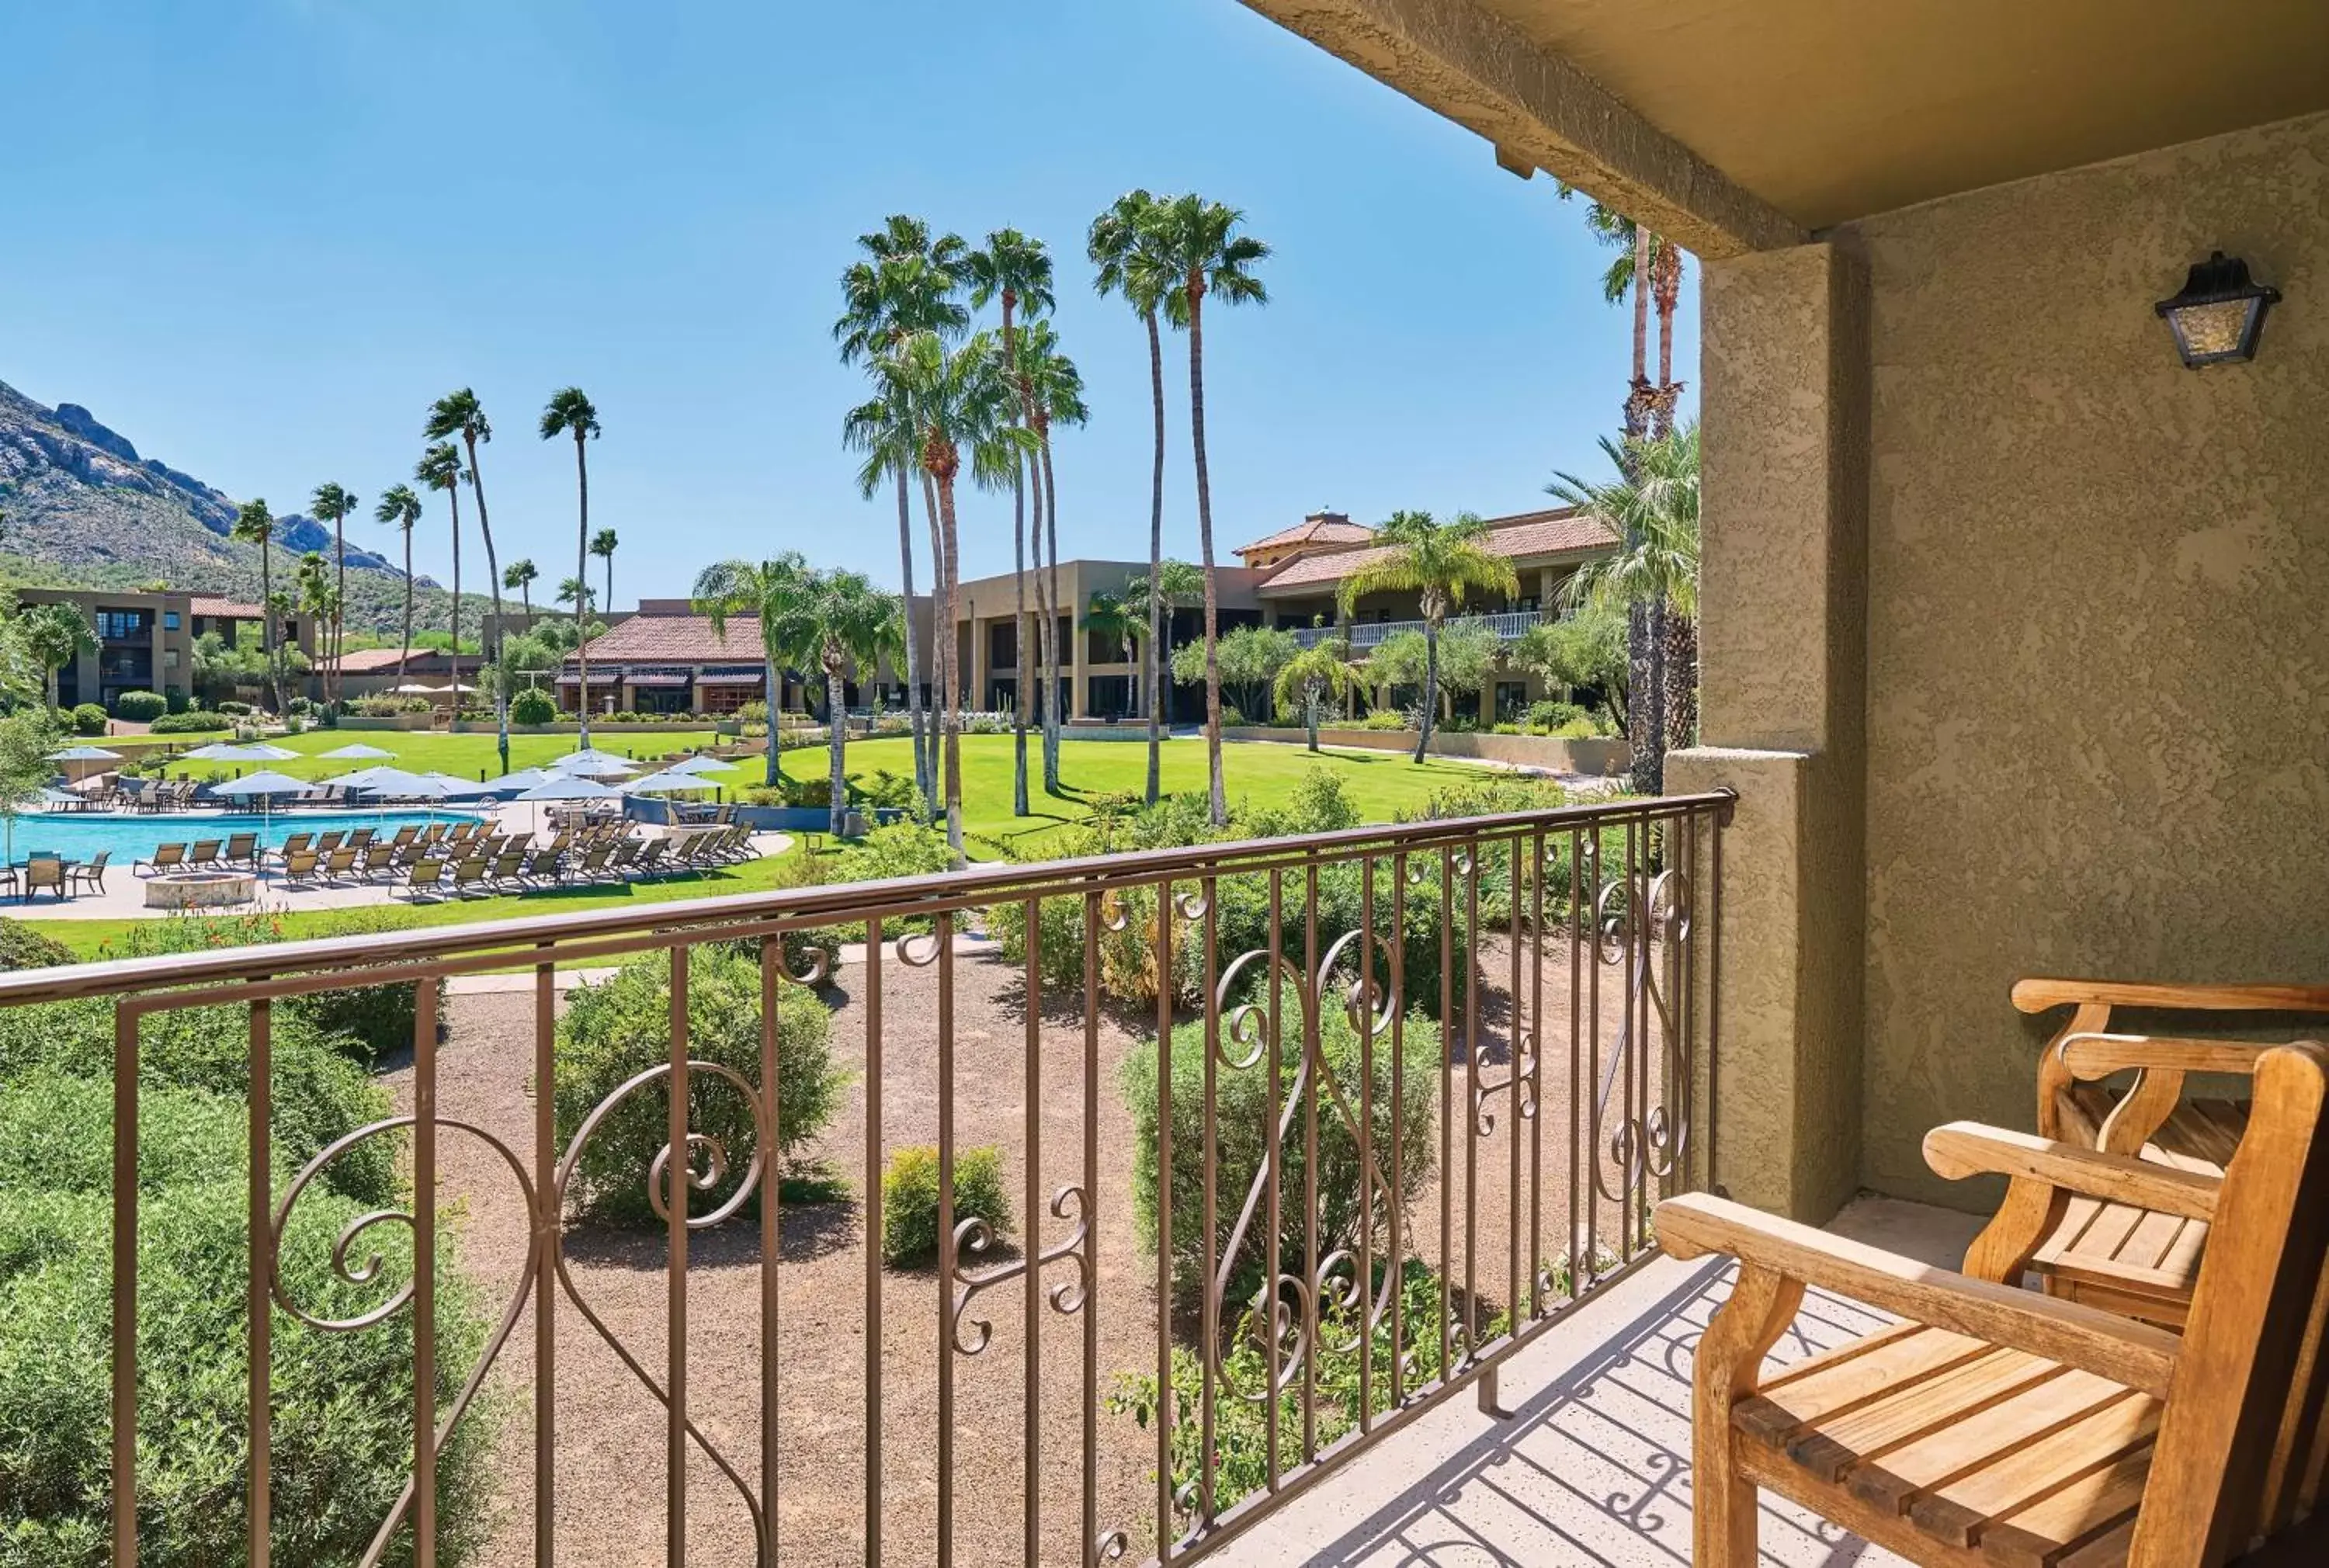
81,836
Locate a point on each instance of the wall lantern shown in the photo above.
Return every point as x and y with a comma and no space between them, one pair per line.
2220,314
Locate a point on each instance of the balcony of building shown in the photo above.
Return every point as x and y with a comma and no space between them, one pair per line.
1508,625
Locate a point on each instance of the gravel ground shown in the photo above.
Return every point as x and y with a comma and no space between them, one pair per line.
609,1433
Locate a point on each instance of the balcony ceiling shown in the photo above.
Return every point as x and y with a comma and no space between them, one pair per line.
1826,111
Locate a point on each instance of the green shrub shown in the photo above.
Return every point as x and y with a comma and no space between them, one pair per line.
614,1030
236,710
1232,718
1245,1109
342,1403
138,707
885,790
1546,717
89,718
300,707
175,695
1386,718
531,707
910,1201
192,721
22,947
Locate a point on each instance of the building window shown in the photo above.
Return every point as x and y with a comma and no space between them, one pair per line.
169,658
1512,699
120,626
169,620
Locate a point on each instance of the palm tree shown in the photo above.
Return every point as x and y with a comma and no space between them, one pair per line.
439,468
254,524
1652,506
1322,669
570,413
1128,260
771,592
520,575
55,635
907,284
319,596
331,504
460,413
602,545
1054,390
839,620
400,509
962,405
1173,584
1199,240
1441,563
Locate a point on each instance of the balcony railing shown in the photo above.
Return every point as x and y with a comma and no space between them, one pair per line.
1509,626
1396,1099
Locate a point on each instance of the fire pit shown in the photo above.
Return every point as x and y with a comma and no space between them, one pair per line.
200,890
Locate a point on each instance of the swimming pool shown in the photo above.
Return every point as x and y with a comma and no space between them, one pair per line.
81,836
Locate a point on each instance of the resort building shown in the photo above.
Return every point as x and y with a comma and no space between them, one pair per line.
380,671
146,638
665,658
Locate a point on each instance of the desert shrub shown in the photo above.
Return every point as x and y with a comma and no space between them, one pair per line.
342,1403
238,709
1549,715
22,947
619,1028
89,718
1246,1107
175,695
531,707
1239,1460
986,724
193,721
1232,718
1386,718
883,791
138,707
386,707
300,707
897,849
910,1201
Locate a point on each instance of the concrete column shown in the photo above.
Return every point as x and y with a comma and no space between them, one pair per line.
1080,645
1783,635
977,698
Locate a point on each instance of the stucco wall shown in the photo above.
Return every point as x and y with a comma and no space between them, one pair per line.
2098,708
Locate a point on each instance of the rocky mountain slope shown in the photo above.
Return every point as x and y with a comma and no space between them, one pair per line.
82,508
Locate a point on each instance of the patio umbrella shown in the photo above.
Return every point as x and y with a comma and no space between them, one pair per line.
261,751
572,788
592,766
218,751
265,785
84,754
55,797
701,765
509,783
358,751
670,781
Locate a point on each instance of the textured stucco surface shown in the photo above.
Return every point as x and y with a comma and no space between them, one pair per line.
2097,695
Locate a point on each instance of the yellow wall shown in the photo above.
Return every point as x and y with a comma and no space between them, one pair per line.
2098,704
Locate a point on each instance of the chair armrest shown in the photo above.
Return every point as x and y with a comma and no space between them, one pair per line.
2091,1056
2036,995
1963,1149
2120,1348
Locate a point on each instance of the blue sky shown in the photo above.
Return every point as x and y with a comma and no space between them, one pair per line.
258,238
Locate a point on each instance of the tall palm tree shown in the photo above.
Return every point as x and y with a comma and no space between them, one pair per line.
839,620
318,596
570,413
254,524
1199,241
962,403
771,592
1321,671
439,468
55,635
1173,584
1652,506
906,282
1054,390
1128,260
520,575
602,545
1439,563
460,413
331,504
1117,618
1015,270
399,508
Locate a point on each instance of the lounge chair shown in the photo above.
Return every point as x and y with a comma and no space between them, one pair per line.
294,844
44,871
541,866
404,835
468,877
592,866
167,857
92,875
360,839
509,870
434,833
426,880
299,869
243,849
329,843
340,863
206,852
378,859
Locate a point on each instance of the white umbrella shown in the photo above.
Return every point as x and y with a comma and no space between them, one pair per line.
599,766
50,797
670,781
84,754
524,778
218,751
260,751
701,765
359,751
263,783
570,789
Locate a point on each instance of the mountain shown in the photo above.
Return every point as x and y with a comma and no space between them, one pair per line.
83,509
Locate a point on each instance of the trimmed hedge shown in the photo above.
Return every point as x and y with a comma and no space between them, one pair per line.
531,707
140,707
910,1201
89,718
193,721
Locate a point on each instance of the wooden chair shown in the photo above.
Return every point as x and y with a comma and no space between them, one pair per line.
2000,1426
2115,1254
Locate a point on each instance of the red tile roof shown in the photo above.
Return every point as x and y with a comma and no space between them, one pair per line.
1520,537
1323,530
677,639
234,609
378,660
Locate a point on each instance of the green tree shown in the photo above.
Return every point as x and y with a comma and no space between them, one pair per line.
1110,616
520,575
837,621
1439,563
254,524
602,545
570,412
439,468
1315,673
771,591
906,282
1173,584
1054,390
318,596
55,635
1468,650
399,508
1586,649
1128,259
460,413
1246,660
331,504
1652,506
26,737
1199,240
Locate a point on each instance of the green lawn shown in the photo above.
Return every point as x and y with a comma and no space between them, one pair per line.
1382,784
424,752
